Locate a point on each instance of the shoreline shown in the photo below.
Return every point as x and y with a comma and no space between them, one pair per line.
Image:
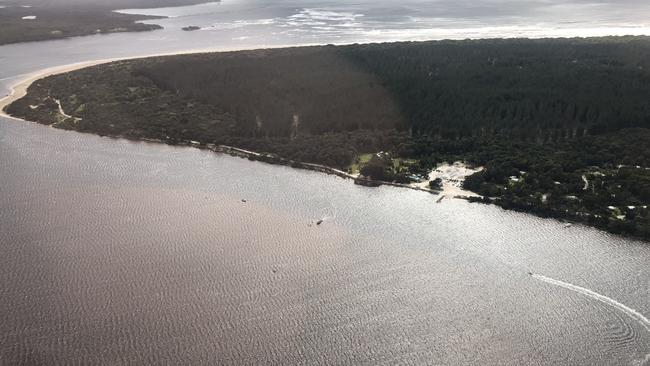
19,89
95,19
451,189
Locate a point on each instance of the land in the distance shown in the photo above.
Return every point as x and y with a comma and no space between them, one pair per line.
561,126
38,20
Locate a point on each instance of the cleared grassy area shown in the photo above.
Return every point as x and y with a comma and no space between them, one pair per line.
363,159
360,161
403,163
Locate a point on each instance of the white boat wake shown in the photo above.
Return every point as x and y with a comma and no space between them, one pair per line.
638,317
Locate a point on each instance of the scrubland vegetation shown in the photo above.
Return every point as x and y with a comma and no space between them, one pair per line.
562,126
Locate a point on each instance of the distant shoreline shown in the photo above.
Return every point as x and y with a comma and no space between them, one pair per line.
53,21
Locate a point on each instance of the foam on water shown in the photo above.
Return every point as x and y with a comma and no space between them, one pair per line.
638,317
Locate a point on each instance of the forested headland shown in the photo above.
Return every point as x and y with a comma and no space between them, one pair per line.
562,126
56,19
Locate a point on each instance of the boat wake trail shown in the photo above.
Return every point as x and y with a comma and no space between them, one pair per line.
331,215
638,317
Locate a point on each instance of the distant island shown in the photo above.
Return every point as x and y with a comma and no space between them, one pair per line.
38,20
561,127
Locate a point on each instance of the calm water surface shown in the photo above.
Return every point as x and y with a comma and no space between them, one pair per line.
115,252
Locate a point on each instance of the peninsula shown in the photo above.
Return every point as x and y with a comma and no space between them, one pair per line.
560,126
38,20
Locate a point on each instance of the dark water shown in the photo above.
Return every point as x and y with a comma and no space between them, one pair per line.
114,252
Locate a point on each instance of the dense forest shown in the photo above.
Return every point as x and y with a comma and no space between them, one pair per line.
527,89
55,19
560,125
282,92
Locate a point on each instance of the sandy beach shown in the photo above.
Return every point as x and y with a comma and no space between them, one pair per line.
19,89
452,176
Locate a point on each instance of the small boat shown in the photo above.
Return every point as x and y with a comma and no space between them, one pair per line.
567,225
243,200
319,222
